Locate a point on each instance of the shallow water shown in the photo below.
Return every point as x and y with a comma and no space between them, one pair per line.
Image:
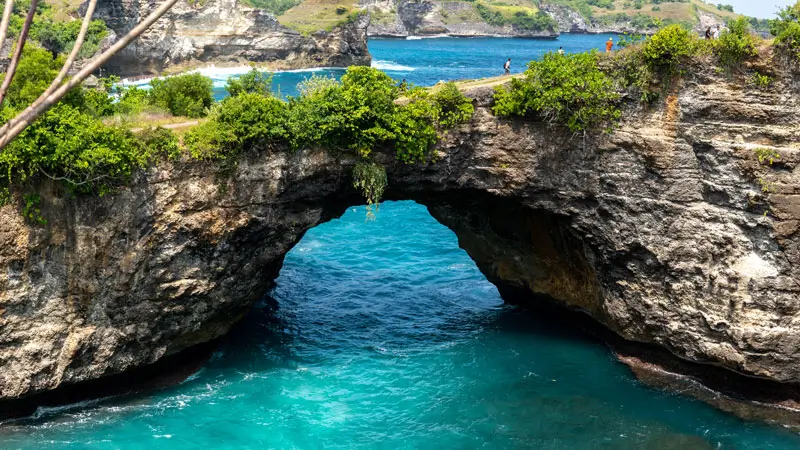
383,334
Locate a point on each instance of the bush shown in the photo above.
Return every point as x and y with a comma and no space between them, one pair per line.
68,145
253,82
60,37
183,95
453,106
735,44
211,141
132,100
670,47
566,89
352,115
786,29
413,126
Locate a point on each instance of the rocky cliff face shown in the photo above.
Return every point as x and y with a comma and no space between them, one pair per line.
399,18
225,32
658,231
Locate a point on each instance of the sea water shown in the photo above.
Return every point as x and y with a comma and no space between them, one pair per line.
425,62
383,334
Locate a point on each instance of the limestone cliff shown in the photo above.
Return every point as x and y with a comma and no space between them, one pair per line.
668,231
400,18
225,32
462,18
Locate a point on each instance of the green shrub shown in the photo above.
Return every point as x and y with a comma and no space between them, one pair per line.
786,29
413,126
760,81
237,123
632,74
98,103
160,142
36,70
735,44
253,82
132,100
59,37
211,141
670,47
75,148
352,115
566,89
183,95
454,107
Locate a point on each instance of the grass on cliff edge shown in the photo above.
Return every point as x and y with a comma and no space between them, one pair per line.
315,15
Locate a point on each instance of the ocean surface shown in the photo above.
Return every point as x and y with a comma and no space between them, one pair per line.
425,62
383,334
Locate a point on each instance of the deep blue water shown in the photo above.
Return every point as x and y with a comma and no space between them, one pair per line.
383,334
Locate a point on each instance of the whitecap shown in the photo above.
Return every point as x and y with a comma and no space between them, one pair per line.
390,65
432,36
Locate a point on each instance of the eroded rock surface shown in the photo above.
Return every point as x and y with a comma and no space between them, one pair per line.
658,231
225,32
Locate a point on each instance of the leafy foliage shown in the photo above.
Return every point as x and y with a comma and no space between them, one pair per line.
183,95
786,29
370,178
670,47
69,143
454,108
523,20
566,89
239,122
253,82
59,37
735,44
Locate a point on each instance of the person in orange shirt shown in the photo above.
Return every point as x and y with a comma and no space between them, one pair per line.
609,45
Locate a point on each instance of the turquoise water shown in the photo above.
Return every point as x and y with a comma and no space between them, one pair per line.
383,334
424,62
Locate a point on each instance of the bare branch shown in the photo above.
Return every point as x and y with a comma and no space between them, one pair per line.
23,36
9,8
25,118
71,59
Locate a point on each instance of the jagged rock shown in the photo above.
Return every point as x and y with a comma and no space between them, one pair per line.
225,32
657,230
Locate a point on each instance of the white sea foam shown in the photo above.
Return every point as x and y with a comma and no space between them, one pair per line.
432,36
390,65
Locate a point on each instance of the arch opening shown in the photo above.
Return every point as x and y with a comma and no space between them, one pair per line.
386,333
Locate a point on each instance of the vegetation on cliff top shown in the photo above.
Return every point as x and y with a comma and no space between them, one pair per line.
75,144
78,144
582,91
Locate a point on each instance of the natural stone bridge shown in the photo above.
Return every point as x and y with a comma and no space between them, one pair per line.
657,231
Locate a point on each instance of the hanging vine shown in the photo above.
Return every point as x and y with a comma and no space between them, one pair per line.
370,178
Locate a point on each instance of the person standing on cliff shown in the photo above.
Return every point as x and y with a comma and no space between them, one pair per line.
609,45
561,51
507,66
708,33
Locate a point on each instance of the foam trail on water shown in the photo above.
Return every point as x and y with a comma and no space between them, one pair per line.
390,65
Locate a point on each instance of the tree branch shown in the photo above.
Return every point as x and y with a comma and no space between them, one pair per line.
23,36
16,125
9,8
